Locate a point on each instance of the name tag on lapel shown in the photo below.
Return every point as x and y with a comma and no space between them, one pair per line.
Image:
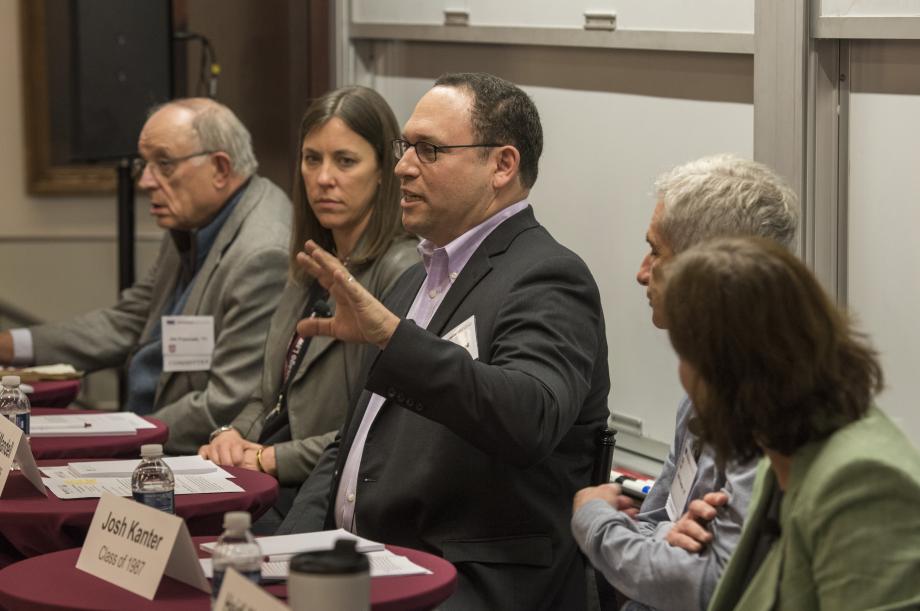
188,342
464,335
684,476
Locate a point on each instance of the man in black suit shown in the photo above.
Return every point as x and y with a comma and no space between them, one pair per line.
482,406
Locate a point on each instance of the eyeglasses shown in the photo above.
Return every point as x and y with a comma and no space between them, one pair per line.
163,166
428,152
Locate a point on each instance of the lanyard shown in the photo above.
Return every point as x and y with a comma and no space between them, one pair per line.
316,307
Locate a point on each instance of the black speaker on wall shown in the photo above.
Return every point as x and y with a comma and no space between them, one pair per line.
121,67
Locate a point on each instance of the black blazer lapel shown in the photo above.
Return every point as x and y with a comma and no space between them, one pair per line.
479,265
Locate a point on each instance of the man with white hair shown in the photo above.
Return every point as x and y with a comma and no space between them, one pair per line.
647,559
224,260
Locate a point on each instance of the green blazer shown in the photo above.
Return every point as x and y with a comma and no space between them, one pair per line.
850,528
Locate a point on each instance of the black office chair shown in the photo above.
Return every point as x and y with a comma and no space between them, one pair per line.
603,459
602,595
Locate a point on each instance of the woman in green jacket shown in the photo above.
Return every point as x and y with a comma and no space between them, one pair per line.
774,368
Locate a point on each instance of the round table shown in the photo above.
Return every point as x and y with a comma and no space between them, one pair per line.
24,585
54,393
32,524
101,446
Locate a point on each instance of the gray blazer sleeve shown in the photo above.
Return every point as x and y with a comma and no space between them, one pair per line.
633,554
101,338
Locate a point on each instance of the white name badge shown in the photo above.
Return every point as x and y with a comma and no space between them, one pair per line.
683,481
132,546
188,342
239,594
464,335
13,447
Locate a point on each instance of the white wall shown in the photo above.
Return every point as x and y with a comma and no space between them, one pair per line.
884,214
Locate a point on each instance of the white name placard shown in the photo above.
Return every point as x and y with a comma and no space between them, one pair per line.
239,594
132,546
188,342
12,447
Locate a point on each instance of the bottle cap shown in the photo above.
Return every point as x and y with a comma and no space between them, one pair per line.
237,520
10,381
344,559
151,450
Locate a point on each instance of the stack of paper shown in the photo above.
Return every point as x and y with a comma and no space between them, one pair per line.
180,465
81,480
59,371
88,425
281,548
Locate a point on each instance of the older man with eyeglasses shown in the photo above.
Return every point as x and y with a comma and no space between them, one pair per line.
215,282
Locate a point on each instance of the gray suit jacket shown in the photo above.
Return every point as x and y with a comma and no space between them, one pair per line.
477,460
238,284
328,380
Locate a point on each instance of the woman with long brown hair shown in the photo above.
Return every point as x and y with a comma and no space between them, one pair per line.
348,202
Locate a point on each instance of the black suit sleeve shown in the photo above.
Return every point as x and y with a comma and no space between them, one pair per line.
542,336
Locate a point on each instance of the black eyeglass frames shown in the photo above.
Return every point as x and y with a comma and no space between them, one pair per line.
428,152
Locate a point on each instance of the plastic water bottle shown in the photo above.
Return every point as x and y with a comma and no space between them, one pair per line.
14,404
236,548
152,482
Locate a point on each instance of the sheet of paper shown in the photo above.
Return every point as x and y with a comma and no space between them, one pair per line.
180,465
204,484
387,564
80,425
61,472
383,563
188,342
282,547
129,418
89,488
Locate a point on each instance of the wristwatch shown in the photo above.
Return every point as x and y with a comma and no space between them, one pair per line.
220,430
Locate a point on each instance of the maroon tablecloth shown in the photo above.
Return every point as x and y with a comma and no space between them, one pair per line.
25,586
101,446
54,393
31,524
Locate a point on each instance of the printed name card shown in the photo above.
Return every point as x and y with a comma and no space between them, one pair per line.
188,342
239,594
13,447
132,546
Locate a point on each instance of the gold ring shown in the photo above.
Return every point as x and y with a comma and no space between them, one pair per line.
351,278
